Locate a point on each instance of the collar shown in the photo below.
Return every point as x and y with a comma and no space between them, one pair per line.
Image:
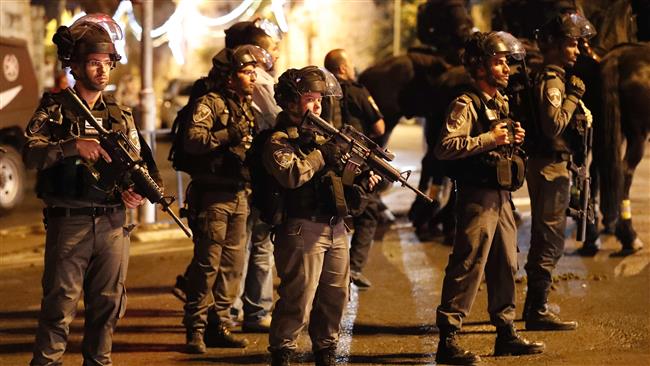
556,68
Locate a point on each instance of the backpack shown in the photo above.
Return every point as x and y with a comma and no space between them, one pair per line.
180,160
267,194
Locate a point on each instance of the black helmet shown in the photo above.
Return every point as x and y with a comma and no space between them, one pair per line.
228,60
92,33
570,25
249,32
293,83
481,46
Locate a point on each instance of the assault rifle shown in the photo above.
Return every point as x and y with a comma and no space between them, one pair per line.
580,207
361,152
125,158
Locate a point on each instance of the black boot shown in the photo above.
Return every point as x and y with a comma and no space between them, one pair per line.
180,288
592,243
325,356
508,343
449,351
218,335
194,343
281,357
544,319
538,316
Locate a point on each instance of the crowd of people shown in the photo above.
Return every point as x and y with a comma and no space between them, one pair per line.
268,193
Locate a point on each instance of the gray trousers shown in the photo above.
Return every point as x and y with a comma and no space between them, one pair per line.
215,272
313,263
86,254
485,242
548,187
256,289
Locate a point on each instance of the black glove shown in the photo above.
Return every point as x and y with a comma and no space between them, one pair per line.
237,131
575,86
331,154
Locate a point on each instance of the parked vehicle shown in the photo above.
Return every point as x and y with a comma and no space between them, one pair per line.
18,100
175,97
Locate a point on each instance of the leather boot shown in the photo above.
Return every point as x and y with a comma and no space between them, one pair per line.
325,356
281,357
219,335
509,342
592,243
194,343
538,316
449,351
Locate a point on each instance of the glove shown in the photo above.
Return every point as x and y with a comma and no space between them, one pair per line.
331,154
237,131
575,87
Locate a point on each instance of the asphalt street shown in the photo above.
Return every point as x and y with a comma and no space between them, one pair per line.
393,323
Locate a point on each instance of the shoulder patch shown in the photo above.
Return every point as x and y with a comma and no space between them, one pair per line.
201,112
459,107
283,157
372,103
554,97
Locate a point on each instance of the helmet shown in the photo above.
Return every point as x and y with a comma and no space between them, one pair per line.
293,83
249,32
92,33
229,60
481,46
572,25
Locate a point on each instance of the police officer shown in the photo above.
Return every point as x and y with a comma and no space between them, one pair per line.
217,138
311,250
256,294
87,242
358,109
558,99
475,134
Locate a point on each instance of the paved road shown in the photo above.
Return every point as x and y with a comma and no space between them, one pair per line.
393,323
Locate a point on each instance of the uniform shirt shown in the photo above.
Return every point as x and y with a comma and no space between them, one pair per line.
358,108
460,136
207,137
556,109
51,135
264,105
283,160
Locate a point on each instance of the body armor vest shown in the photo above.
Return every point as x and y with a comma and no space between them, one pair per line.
569,140
73,177
501,168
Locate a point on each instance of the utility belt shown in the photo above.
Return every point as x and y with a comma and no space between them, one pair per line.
320,219
82,211
493,171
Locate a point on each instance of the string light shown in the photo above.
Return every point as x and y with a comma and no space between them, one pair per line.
184,24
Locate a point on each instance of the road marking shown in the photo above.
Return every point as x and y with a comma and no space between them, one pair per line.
422,274
347,325
632,265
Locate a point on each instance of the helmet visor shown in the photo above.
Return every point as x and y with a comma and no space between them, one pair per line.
248,54
270,28
319,80
513,47
577,26
104,21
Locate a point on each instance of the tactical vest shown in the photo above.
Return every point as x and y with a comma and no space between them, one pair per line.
73,177
501,168
569,140
223,168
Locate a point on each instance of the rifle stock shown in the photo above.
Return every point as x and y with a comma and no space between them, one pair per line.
125,157
363,149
